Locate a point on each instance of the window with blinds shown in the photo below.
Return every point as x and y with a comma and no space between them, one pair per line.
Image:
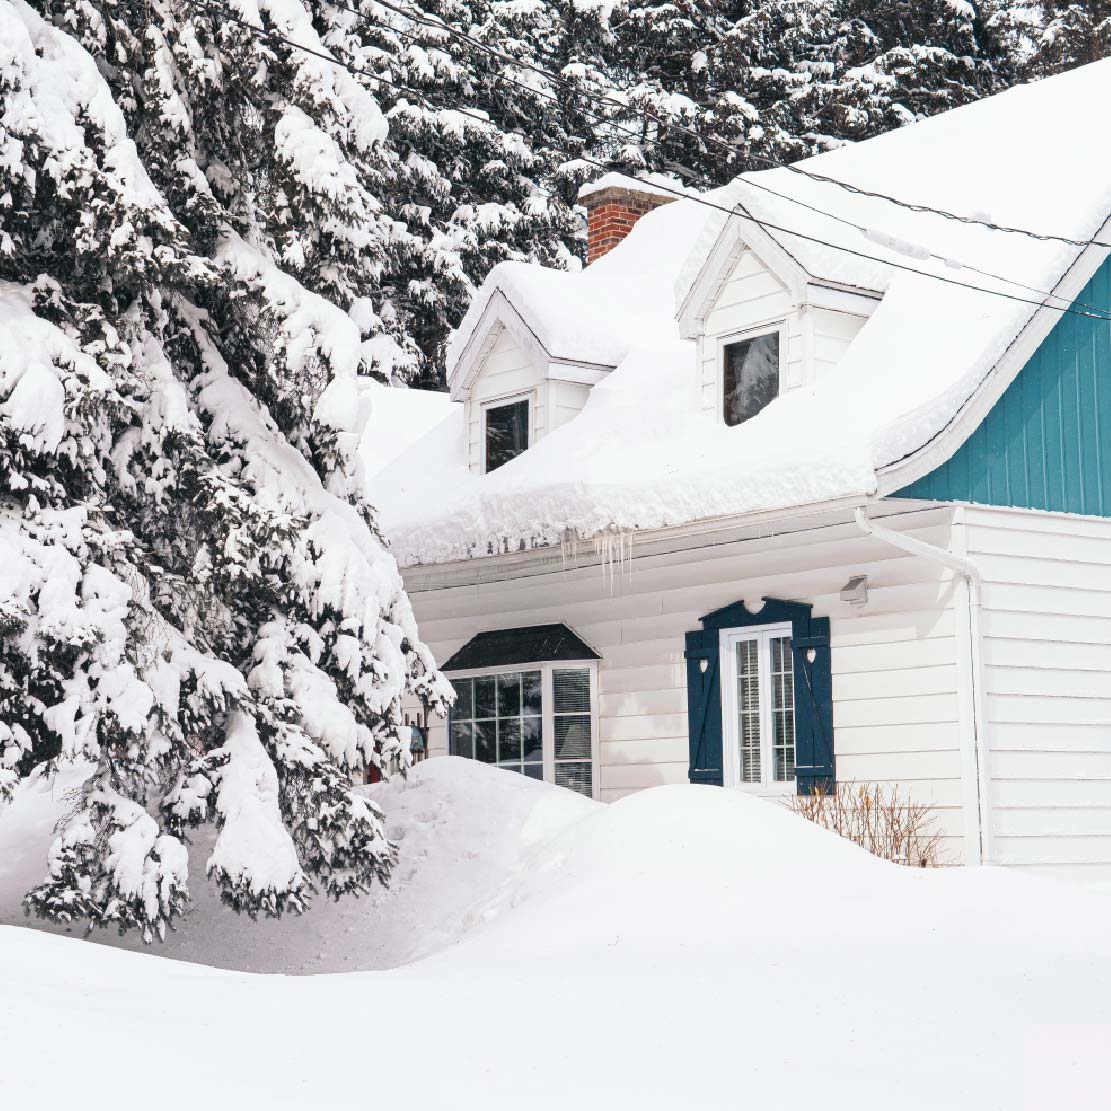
760,717
571,725
501,719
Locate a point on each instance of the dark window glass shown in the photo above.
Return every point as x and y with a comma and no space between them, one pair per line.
751,376
531,742
463,709
489,723
506,433
485,737
484,697
509,741
531,692
462,738
509,695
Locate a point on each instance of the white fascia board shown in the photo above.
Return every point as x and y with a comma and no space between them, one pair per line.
585,374
499,313
846,299
706,532
901,473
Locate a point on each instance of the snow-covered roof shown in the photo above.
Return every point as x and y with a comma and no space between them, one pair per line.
641,455
593,316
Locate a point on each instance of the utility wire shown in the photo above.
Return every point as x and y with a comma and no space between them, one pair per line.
705,182
769,163
264,33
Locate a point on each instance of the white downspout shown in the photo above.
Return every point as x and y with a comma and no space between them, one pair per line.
970,575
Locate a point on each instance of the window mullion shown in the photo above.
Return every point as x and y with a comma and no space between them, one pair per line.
547,725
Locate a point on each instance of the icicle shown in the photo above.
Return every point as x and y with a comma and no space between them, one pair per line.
614,546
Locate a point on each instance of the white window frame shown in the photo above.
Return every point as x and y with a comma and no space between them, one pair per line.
728,639
777,326
547,708
528,396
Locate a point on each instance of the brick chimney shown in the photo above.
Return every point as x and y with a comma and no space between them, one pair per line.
613,205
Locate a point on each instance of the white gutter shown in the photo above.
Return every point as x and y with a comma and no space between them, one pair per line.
974,739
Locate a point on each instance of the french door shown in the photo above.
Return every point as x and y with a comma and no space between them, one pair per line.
758,707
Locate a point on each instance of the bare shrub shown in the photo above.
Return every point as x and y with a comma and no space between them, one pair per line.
877,819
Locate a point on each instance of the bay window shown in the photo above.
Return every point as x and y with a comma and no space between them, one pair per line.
538,721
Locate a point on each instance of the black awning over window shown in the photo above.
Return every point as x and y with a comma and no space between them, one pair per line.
535,644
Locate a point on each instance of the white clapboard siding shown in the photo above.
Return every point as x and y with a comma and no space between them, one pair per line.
894,660
1047,681
832,334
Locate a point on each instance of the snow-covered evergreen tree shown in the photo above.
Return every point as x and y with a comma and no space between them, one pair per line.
1068,35
752,80
195,596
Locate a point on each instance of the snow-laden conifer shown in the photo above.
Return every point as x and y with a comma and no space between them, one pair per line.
195,597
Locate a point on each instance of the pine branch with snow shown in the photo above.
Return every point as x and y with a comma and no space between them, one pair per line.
197,600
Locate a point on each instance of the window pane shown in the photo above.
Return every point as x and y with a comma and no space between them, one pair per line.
533,771
572,737
783,709
506,433
509,740
484,697
751,376
571,692
509,695
485,738
575,777
462,739
748,709
530,739
530,691
463,710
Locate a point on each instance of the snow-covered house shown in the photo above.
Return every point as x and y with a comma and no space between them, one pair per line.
795,483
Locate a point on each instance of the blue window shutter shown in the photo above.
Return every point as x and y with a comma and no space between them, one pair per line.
814,760
704,707
814,764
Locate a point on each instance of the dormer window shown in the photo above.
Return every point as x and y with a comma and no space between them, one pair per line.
506,432
751,375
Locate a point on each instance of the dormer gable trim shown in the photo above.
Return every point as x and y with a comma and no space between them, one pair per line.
739,235
500,314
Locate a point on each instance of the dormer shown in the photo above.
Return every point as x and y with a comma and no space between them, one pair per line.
515,387
761,323
536,340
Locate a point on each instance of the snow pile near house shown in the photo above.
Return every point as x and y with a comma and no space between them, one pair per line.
462,830
685,947
641,456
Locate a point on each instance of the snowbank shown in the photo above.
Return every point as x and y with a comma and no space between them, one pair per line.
462,831
685,947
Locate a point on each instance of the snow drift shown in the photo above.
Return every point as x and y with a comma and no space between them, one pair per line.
684,947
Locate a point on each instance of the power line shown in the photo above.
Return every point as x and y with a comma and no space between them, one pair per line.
469,41
262,32
767,162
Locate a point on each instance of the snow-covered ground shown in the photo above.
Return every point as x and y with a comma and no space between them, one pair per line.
686,947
